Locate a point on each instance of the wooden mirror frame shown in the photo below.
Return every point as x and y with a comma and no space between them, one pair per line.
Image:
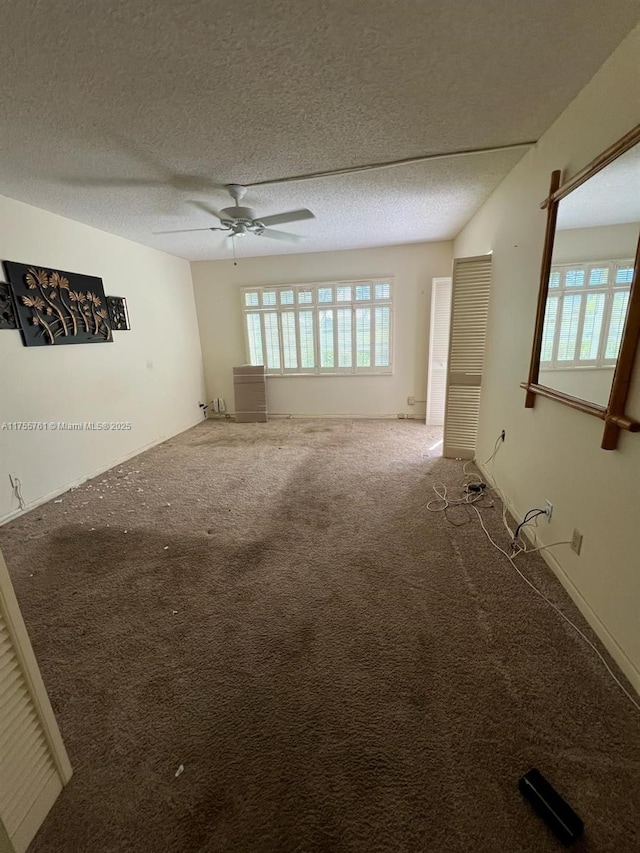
613,414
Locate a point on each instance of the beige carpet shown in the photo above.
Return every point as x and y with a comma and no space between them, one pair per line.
338,670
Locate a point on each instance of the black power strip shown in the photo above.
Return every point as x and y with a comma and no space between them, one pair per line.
555,812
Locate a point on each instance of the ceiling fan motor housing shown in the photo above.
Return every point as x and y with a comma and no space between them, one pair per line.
237,214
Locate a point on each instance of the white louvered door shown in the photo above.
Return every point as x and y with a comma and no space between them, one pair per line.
438,350
34,765
469,311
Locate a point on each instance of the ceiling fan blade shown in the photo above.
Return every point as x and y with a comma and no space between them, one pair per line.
291,216
115,182
193,183
208,208
185,230
280,235
183,183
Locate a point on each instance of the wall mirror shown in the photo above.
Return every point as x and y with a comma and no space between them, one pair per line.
588,318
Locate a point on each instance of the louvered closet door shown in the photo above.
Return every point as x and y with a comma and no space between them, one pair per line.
33,762
469,311
438,350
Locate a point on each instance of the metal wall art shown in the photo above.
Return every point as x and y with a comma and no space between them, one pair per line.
54,307
118,314
7,314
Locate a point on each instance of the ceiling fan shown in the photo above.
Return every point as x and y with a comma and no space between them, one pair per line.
239,221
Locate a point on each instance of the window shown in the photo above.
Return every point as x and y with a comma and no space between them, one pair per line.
585,314
340,327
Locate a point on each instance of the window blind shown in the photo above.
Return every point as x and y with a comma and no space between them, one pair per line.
342,327
585,314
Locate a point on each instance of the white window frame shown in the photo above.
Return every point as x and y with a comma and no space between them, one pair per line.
562,290
315,306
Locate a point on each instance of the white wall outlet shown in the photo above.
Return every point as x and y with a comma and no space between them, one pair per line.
411,401
548,508
576,541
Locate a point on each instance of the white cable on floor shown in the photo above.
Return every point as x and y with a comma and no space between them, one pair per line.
471,498
498,444
442,502
443,497
543,547
557,609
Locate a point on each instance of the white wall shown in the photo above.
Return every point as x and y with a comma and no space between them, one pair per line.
587,383
150,376
217,289
552,451
603,243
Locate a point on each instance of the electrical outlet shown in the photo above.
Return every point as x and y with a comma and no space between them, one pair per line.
411,401
548,508
576,541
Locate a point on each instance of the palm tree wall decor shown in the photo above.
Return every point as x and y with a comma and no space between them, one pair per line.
54,307
7,313
118,314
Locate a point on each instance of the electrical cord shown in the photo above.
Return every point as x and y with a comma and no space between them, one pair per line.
469,498
557,609
518,545
526,520
16,485
498,444
470,495
528,517
522,549
443,502
544,547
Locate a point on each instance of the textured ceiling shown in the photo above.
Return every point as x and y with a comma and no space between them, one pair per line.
610,197
241,92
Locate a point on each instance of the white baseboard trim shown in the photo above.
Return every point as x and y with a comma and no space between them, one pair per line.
338,415
275,416
606,638
83,479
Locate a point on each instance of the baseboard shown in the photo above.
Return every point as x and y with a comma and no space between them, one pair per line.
83,479
220,416
338,415
604,635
